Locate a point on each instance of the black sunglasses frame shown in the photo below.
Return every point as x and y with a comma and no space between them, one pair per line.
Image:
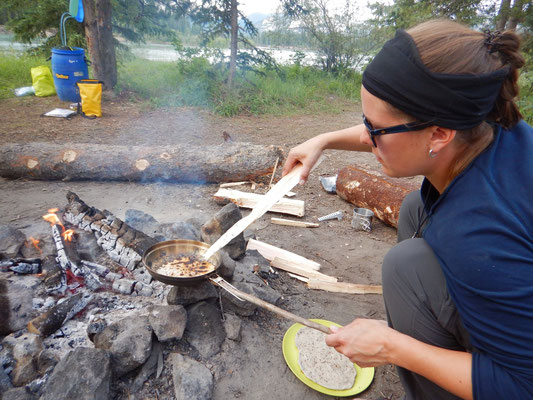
409,127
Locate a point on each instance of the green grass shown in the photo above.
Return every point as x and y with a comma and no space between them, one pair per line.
15,71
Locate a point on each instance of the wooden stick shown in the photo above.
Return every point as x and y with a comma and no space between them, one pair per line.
273,172
300,278
290,222
250,200
344,287
231,184
271,307
295,269
270,252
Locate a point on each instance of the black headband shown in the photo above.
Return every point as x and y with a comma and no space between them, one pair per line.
457,101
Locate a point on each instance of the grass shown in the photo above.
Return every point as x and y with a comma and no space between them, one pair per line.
15,71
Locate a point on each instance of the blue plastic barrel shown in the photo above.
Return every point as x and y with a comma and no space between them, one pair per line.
68,67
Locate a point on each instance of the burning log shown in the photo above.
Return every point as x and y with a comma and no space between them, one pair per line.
177,163
22,265
382,195
123,244
53,319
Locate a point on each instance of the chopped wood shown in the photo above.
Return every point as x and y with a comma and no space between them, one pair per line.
232,184
295,269
300,278
273,172
290,222
344,287
383,195
290,194
270,252
53,319
249,200
230,162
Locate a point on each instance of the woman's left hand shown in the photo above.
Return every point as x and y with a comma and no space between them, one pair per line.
364,341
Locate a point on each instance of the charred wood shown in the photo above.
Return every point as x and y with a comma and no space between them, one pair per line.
177,163
21,265
53,319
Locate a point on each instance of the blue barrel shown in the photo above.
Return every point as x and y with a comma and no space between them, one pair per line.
68,67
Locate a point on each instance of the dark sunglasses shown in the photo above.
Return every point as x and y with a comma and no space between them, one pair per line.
409,127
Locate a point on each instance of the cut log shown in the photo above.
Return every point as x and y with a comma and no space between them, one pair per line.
53,319
177,163
249,200
271,252
382,195
344,287
290,222
295,269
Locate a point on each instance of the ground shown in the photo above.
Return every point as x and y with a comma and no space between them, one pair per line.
254,368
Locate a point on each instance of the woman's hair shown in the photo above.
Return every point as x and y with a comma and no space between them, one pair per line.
448,47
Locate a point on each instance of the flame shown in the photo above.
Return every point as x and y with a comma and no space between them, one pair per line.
68,235
53,218
35,243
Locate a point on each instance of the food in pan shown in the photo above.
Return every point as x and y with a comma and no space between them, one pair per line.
321,363
185,266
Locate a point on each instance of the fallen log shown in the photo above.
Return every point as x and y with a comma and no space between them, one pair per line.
381,194
176,163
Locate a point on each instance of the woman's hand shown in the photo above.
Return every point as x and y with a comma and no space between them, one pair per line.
363,341
306,153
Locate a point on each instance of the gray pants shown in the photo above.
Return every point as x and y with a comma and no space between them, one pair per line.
417,300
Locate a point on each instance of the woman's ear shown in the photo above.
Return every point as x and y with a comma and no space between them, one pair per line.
441,138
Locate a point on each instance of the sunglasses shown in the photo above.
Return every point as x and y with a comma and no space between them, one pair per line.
409,127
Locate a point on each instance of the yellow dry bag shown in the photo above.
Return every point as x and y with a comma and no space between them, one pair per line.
42,81
91,97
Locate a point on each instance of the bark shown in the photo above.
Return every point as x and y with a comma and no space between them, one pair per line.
516,14
234,38
503,15
99,35
380,194
178,163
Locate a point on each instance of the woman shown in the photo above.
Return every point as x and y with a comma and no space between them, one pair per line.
438,101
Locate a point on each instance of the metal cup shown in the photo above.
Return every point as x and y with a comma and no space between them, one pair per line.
362,219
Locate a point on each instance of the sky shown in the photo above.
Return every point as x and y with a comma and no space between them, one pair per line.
269,6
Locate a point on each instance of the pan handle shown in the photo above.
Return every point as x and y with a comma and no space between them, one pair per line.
219,281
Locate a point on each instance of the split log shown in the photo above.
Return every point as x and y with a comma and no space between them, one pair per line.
290,222
249,200
382,195
53,319
122,243
344,287
271,252
295,269
177,163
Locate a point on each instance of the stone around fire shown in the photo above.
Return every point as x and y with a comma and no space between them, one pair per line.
192,380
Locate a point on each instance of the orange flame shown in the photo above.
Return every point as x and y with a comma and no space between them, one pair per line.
53,218
35,244
68,235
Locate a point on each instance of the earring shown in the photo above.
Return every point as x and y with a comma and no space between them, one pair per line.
432,154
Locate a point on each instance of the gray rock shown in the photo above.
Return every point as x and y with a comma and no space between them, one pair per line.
46,361
83,374
204,330
87,246
15,306
25,352
141,221
168,322
244,279
192,380
227,266
129,341
11,240
5,382
185,295
219,224
232,325
20,393
148,368
255,261
179,230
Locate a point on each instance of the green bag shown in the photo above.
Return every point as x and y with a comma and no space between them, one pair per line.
43,83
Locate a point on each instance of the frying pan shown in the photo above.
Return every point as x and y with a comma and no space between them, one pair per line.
159,254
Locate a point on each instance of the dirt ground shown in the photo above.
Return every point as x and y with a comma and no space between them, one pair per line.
254,368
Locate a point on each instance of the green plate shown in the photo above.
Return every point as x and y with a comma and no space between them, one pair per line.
363,379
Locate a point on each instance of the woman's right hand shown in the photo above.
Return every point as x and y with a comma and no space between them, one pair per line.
306,153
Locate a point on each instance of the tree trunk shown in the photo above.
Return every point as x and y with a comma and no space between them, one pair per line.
177,163
382,195
99,36
516,14
234,37
503,15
